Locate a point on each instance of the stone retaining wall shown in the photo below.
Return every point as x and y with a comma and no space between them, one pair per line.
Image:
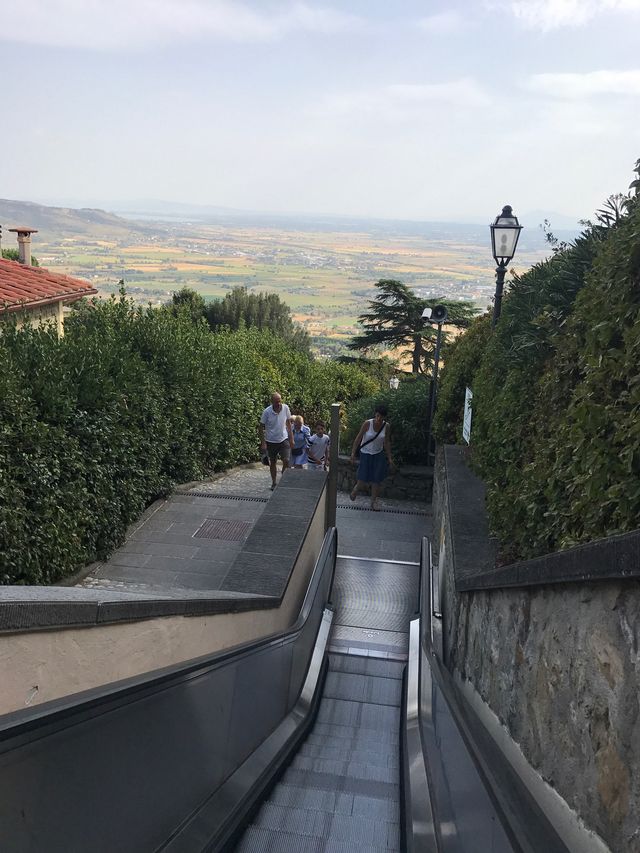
559,664
409,482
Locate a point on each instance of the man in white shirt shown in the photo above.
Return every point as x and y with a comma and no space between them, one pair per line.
276,437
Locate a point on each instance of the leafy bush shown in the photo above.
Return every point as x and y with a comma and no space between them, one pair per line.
408,415
14,255
583,481
463,359
557,393
96,425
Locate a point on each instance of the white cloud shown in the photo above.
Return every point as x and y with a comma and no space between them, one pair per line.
586,85
404,100
132,24
443,23
549,15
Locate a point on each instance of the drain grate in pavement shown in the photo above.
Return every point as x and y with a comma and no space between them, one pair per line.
202,494
220,528
392,510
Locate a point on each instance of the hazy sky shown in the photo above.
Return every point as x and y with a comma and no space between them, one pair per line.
426,110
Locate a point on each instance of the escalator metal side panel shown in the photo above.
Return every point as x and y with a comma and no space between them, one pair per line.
447,806
215,824
478,802
123,770
419,823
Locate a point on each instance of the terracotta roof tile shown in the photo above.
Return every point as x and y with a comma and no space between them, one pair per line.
24,287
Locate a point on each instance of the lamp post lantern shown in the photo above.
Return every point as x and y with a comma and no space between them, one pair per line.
393,383
437,316
505,232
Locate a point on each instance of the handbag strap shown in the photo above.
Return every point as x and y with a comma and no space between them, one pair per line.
369,440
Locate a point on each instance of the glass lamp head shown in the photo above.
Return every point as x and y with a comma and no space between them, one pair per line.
505,232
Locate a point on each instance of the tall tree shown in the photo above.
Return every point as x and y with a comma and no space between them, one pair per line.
394,320
190,301
262,310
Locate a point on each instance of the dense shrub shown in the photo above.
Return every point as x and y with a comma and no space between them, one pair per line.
557,393
408,415
97,424
463,359
583,481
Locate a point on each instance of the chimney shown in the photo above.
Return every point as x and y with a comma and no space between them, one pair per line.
24,244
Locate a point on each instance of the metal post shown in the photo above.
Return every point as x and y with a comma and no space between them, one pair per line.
497,302
433,394
332,483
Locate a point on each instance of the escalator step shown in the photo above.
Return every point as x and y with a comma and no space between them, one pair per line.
344,712
366,666
332,802
336,827
354,734
259,840
256,839
335,803
297,778
299,821
363,688
337,751
353,769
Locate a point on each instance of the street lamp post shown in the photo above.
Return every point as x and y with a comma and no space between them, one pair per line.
437,316
505,232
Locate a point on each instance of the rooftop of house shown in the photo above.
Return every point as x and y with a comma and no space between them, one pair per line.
30,287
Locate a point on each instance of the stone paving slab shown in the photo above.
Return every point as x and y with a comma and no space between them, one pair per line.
161,552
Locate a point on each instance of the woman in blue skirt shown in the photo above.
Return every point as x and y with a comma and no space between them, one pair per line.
374,442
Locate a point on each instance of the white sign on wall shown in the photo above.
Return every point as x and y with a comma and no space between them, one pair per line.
466,424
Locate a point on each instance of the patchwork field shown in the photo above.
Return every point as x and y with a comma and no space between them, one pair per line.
325,271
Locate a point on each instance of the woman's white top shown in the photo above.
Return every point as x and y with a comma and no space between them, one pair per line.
377,444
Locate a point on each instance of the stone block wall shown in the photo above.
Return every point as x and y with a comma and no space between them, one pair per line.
409,482
558,663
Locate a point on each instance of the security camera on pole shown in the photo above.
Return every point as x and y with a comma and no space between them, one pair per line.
437,316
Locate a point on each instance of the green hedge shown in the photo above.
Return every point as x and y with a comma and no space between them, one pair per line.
96,425
556,432
464,357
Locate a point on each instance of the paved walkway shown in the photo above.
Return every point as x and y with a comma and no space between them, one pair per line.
189,541
394,533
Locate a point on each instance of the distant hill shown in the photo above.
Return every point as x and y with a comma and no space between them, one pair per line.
58,222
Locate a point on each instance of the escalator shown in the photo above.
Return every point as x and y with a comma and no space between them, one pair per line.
344,733
341,792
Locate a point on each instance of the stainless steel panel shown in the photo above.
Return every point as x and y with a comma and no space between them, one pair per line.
122,768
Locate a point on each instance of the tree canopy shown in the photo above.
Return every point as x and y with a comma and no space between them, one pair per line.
257,310
243,310
189,301
394,319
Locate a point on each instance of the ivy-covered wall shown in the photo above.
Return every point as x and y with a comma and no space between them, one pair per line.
96,425
556,407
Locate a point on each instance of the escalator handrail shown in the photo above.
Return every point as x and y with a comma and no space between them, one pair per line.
60,712
424,643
